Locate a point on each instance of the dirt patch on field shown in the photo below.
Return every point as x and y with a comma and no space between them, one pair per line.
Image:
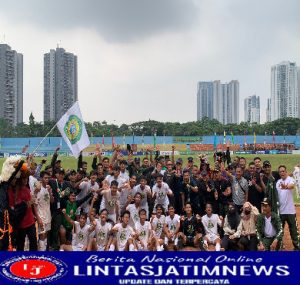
287,242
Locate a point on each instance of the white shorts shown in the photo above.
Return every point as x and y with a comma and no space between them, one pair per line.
46,228
121,248
77,247
112,217
212,237
100,247
139,246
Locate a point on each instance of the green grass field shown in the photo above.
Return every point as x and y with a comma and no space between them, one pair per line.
288,160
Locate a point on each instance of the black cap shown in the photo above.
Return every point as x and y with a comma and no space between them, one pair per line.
60,171
190,159
72,172
266,201
266,163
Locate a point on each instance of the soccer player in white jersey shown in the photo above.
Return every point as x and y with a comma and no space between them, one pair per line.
172,227
145,191
101,236
145,239
210,223
124,235
160,192
157,222
110,201
86,186
134,209
81,233
43,197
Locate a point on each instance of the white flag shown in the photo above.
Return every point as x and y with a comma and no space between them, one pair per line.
72,129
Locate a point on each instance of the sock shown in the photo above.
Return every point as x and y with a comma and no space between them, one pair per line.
73,239
112,247
176,241
45,244
42,245
166,241
131,247
158,248
218,247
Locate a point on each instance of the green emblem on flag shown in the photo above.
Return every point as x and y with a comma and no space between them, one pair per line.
73,129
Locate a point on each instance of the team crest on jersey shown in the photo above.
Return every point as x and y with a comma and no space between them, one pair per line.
33,269
73,129
111,203
210,224
190,229
80,236
101,235
123,236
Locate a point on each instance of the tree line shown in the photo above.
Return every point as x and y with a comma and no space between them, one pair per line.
286,126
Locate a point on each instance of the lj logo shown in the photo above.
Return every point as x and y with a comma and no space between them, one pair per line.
33,269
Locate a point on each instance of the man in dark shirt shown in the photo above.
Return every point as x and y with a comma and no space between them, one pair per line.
207,193
189,192
255,190
191,228
269,179
223,188
60,191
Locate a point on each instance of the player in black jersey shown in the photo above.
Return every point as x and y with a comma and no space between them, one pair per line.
191,228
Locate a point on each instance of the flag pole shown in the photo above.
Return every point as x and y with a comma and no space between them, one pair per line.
43,139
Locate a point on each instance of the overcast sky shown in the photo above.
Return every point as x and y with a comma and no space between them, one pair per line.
141,59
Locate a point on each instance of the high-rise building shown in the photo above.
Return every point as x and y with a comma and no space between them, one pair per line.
205,100
298,77
252,109
60,83
284,91
11,85
218,101
268,111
